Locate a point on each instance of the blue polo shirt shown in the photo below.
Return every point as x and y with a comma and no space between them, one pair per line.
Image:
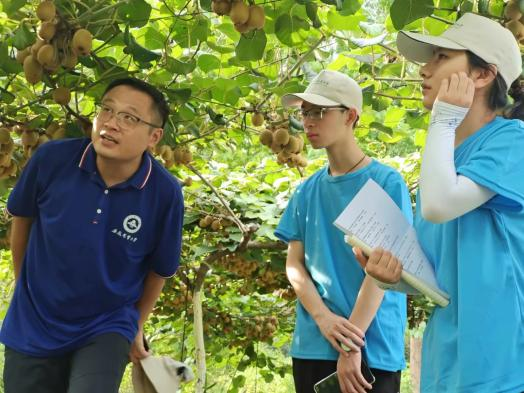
90,247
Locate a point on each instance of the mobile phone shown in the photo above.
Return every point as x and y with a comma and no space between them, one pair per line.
330,383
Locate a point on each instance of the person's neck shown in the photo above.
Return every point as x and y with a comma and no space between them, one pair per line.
478,116
345,158
115,172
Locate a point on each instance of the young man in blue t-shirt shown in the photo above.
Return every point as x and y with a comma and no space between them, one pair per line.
339,307
96,231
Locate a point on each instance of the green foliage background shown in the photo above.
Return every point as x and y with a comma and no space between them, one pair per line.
215,79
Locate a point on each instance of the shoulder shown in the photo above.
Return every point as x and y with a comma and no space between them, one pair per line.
311,182
384,174
60,152
506,129
63,146
163,181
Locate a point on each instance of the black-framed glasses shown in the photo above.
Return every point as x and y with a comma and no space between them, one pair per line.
123,119
318,113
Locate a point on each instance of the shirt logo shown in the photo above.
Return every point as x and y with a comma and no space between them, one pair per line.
132,223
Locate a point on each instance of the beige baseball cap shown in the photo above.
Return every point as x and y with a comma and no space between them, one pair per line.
484,37
329,88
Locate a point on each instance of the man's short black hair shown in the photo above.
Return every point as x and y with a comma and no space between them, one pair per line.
159,100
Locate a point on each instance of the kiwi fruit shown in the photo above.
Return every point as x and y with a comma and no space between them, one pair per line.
22,54
281,136
62,95
516,28
257,18
512,11
33,70
70,60
46,11
82,42
46,55
221,7
266,138
47,31
239,13
242,27
5,135
257,119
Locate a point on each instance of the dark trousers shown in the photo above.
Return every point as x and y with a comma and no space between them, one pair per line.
306,373
98,366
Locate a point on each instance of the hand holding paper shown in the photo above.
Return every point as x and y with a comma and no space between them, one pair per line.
373,220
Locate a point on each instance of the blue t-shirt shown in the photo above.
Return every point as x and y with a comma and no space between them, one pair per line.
334,270
90,247
476,343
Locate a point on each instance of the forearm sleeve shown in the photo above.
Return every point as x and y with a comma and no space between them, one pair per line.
444,195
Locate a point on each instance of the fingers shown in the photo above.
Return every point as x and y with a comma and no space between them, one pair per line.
384,266
458,89
361,258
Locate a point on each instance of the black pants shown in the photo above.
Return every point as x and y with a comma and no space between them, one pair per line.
307,373
98,367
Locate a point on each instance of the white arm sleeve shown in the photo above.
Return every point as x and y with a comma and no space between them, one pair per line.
444,195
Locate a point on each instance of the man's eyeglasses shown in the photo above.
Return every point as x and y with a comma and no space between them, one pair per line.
123,119
318,113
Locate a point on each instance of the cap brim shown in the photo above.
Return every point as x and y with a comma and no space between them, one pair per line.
419,47
295,100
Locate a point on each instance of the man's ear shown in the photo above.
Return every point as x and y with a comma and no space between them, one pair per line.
155,136
351,116
484,76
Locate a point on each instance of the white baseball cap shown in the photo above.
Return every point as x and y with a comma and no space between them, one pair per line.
159,374
329,88
482,36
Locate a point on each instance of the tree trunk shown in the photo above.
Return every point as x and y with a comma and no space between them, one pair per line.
415,351
200,350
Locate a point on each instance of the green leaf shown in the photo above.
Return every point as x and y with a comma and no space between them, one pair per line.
11,6
483,6
350,7
208,62
23,37
381,127
311,11
251,46
139,53
286,26
135,13
180,96
403,12
181,67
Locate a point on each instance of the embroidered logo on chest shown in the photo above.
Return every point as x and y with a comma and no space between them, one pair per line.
131,224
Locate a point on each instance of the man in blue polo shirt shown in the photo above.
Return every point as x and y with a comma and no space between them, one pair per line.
96,231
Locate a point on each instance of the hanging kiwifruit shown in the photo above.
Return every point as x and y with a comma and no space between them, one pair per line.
239,13
82,42
62,95
516,28
46,11
281,136
70,60
257,18
257,119
47,31
22,54
512,11
39,43
221,7
266,138
46,55
33,70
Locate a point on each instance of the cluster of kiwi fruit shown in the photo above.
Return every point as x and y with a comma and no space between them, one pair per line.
23,146
261,328
213,223
238,265
220,321
8,166
244,17
58,45
269,280
514,19
179,155
287,147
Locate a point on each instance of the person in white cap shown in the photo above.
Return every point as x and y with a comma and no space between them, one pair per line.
338,308
470,216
